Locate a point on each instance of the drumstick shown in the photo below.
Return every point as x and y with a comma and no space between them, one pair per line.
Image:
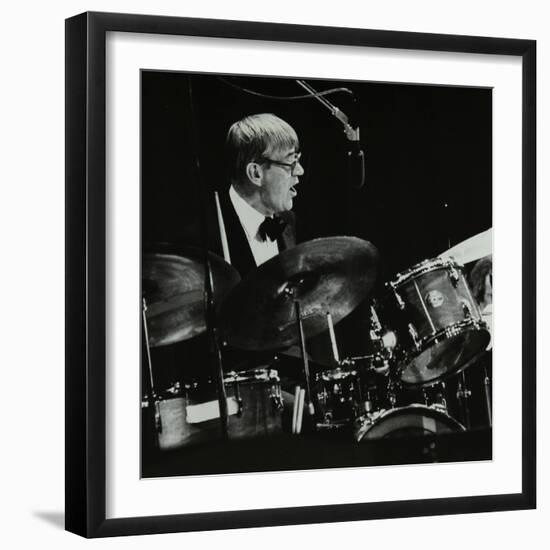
300,409
223,235
295,408
332,338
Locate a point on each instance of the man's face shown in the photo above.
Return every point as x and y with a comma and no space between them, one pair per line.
278,186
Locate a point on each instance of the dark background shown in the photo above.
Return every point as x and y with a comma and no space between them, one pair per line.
426,147
428,178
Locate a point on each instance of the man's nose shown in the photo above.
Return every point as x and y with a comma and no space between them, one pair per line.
299,170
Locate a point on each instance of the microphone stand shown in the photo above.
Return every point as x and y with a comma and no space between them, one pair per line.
351,133
463,393
355,155
214,351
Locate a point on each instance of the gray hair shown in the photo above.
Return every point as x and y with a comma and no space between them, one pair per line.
254,136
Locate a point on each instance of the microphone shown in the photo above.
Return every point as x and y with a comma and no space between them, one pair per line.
355,156
356,165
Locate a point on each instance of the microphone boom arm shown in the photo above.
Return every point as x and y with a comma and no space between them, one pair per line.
351,133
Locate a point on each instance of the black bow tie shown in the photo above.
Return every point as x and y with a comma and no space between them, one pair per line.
272,228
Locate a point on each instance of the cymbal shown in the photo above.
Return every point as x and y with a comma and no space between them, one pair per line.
471,249
331,274
173,287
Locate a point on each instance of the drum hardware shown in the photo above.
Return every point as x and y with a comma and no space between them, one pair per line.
305,361
378,362
152,397
238,398
487,388
434,396
463,395
454,276
398,299
414,337
392,394
384,341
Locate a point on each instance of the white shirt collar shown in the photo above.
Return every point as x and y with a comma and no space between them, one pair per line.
250,218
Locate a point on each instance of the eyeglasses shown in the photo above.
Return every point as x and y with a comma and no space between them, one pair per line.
291,165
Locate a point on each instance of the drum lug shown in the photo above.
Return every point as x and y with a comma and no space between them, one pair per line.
375,323
276,399
467,310
414,336
454,276
239,399
398,298
463,392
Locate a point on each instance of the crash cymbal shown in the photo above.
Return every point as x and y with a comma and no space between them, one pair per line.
173,287
325,275
471,249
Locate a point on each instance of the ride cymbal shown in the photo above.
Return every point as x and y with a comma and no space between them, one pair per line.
331,274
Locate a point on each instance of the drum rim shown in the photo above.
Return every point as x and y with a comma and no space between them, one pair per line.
425,266
418,407
341,374
425,344
266,374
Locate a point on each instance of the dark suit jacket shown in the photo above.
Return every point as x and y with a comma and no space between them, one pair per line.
242,258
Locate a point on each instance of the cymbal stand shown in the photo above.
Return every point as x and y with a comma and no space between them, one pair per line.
209,307
214,341
310,407
463,395
152,396
487,387
462,391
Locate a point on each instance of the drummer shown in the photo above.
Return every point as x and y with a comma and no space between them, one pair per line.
262,154
263,166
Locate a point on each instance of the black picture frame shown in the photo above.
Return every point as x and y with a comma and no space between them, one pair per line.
86,268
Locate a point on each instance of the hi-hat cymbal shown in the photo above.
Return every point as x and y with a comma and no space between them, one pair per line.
173,287
324,275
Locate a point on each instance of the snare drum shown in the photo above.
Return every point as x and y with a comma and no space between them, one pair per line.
190,415
438,323
412,421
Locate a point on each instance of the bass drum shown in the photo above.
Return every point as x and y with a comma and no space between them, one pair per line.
412,421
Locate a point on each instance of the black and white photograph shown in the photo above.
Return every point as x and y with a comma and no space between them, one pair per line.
248,270
316,273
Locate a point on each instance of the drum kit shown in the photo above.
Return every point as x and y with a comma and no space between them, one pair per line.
425,328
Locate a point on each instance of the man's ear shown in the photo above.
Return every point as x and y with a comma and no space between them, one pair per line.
254,173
